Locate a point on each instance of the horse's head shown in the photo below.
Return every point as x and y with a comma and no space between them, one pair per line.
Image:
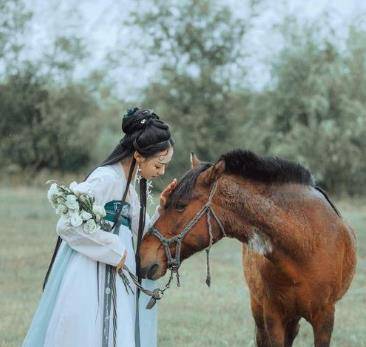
183,227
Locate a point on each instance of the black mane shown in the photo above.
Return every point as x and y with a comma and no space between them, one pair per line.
265,169
248,165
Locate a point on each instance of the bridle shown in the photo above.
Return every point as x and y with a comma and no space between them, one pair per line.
174,263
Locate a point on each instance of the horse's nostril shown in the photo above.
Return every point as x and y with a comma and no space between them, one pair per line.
152,270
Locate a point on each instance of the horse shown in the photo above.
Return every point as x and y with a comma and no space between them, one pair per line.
298,253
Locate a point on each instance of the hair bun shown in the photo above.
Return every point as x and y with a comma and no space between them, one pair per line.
130,112
137,119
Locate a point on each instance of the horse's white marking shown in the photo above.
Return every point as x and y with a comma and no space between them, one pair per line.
260,243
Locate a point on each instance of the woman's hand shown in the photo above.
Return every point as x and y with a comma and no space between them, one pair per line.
121,263
166,192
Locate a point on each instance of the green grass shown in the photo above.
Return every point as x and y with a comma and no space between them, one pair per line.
192,315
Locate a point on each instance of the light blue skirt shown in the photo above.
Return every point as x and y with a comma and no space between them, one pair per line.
38,328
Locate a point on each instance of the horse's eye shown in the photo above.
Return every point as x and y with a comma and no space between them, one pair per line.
180,207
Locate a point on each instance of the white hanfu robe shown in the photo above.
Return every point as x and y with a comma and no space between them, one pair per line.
77,317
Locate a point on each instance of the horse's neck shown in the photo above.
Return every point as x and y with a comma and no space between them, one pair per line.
251,215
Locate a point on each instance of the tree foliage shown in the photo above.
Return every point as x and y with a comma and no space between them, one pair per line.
312,110
48,120
13,23
199,45
42,127
317,106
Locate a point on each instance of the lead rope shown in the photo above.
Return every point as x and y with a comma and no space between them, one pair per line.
155,294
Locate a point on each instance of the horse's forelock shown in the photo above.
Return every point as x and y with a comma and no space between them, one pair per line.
184,188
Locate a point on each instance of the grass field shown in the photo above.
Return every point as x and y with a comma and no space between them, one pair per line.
192,315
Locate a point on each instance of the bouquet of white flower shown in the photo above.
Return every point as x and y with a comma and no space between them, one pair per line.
77,207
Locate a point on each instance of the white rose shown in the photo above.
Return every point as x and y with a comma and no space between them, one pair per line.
75,219
86,215
52,194
61,209
90,226
53,189
99,211
74,187
71,202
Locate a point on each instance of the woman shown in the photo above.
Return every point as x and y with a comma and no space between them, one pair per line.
84,303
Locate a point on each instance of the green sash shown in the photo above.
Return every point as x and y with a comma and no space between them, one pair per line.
112,208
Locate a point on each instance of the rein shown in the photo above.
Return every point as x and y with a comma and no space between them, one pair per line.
155,294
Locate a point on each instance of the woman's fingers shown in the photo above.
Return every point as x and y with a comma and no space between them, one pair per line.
122,261
169,188
166,192
172,185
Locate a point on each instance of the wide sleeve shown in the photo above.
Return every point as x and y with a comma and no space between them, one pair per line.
101,246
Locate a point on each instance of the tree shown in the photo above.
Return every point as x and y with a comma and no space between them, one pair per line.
44,127
48,119
199,47
13,23
317,106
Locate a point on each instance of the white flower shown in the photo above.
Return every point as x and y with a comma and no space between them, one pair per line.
74,187
99,211
60,200
61,209
71,202
52,194
85,215
53,190
75,219
90,226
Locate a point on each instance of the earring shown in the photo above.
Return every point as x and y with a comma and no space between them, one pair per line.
149,188
138,175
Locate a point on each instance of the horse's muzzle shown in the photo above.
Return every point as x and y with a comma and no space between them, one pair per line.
150,271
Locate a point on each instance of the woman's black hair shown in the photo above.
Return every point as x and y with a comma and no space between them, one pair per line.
144,133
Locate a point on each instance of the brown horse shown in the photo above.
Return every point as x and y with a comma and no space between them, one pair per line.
298,253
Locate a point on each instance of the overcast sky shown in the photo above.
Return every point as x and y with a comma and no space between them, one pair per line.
98,22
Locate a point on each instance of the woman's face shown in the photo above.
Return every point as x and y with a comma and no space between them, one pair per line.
154,166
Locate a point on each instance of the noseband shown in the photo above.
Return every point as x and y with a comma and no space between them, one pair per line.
174,263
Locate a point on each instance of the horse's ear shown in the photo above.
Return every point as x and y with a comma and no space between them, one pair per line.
214,172
194,160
